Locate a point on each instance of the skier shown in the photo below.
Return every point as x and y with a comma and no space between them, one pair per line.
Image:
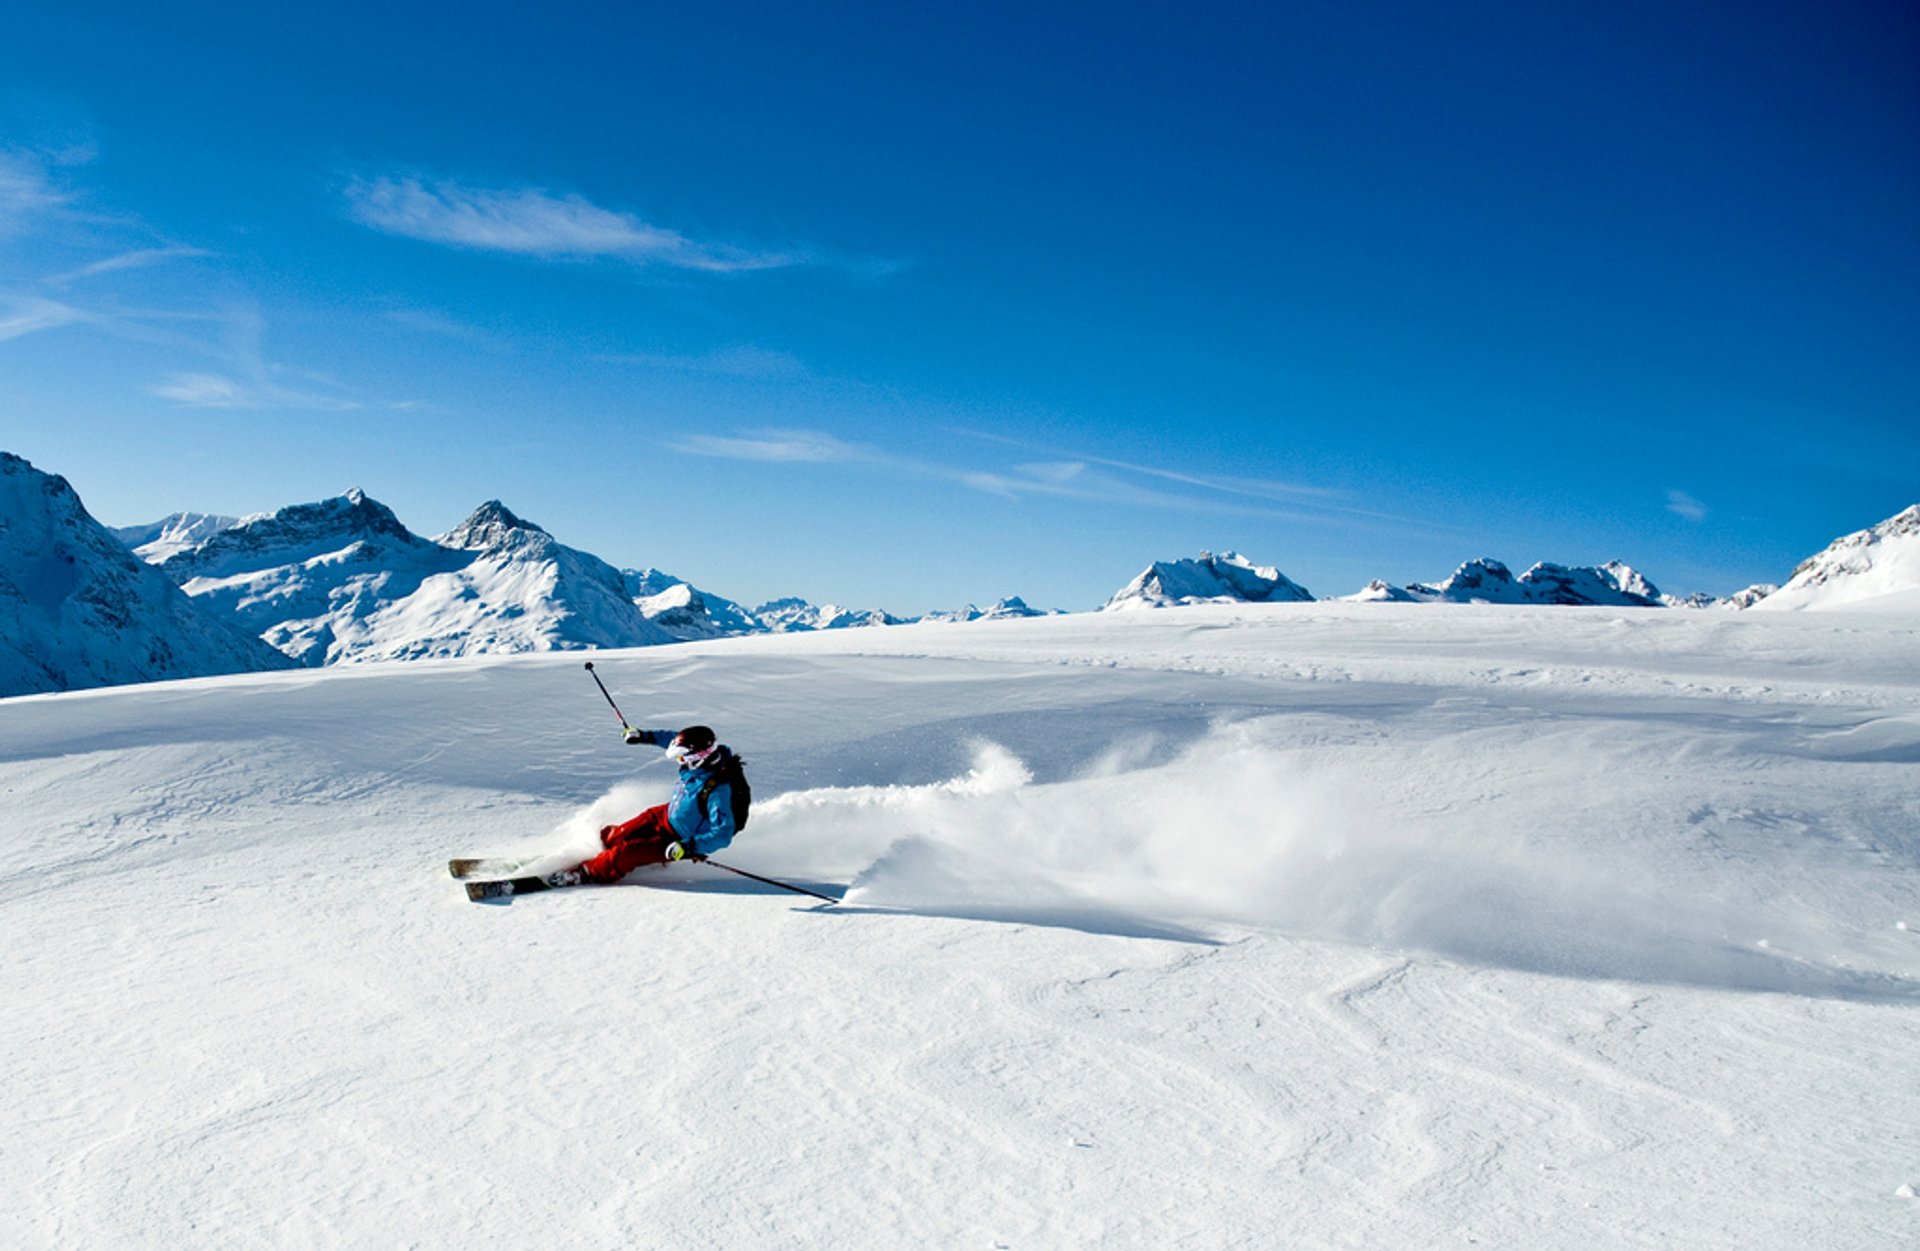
697,821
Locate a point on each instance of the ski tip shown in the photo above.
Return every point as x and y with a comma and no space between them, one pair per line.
482,892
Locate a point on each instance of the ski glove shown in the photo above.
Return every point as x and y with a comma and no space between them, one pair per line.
675,851
634,736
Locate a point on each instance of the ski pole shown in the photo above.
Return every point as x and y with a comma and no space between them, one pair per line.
632,735
798,890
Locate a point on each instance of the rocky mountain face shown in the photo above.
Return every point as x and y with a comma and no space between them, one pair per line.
77,609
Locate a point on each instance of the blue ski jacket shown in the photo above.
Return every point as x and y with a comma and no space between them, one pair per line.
701,830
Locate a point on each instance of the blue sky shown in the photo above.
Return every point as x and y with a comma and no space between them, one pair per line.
903,307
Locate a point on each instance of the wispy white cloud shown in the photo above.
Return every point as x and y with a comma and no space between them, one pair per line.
1680,504
433,322
136,258
223,361
1055,479
25,314
1109,479
799,446
208,390
1088,481
27,191
200,391
1058,472
531,221
1092,479
1254,488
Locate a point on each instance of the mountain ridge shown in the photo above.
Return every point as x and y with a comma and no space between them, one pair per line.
343,580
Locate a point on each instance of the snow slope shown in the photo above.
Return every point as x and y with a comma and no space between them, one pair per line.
77,609
1304,925
1876,569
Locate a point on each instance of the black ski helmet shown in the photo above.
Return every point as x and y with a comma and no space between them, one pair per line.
694,738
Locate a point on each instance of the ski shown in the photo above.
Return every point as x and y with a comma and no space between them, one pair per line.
509,887
480,866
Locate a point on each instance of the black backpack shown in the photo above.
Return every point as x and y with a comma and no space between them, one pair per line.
742,795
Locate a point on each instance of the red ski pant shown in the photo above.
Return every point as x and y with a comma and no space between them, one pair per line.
631,844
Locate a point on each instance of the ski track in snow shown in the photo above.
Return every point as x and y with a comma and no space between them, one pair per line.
1303,925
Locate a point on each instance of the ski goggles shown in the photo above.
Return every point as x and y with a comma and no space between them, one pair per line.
693,759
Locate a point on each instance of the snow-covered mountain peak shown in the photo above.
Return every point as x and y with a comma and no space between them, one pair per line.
1008,609
343,580
793,614
1488,581
1875,569
1613,585
1630,581
1224,578
1379,592
494,526
1485,578
291,535
685,611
